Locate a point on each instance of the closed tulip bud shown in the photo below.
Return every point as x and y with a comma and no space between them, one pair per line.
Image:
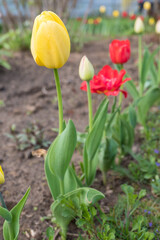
2,180
139,25
50,42
157,28
86,70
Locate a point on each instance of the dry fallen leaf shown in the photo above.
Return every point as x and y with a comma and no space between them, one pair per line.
39,153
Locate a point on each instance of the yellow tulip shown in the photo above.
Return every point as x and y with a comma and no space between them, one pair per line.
50,42
115,13
151,21
102,9
147,6
2,180
90,21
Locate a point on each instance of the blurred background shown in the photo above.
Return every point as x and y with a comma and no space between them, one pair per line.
85,19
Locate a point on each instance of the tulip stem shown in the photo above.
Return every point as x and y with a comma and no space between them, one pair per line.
140,62
121,94
89,106
60,105
158,61
2,201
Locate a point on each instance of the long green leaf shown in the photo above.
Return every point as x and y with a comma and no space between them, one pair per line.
62,150
5,214
131,88
147,60
146,103
52,180
92,144
14,224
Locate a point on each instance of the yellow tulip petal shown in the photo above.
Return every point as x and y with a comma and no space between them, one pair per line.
53,45
2,180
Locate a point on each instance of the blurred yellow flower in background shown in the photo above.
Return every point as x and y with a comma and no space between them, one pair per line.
2,180
115,13
90,21
151,21
102,9
147,6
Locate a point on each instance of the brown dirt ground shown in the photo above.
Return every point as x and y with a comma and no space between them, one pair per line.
30,88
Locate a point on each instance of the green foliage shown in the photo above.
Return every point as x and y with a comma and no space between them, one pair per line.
50,233
4,51
126,219
66,207
94,224
32,136
11,227
108,152
146,102
19,39
61,151
91,146
143,169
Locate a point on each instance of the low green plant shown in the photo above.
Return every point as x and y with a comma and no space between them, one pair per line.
31,136
127,217
5,52
94,224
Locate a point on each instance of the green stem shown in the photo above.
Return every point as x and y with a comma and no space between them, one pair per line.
158,61
60,105
121,94
104,178
64,233
90,106
140,62
2,201
62,186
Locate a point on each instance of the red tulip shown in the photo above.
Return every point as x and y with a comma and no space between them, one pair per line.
96,21
142,18
124,14
133,17
108,81
120,51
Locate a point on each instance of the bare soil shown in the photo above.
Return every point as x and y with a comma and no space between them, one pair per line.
29,94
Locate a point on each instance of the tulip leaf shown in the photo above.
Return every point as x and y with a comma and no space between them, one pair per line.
131,88
13,226
61,151
52,180
146,103
100,107
107,154
132,116
154,74
5,214
126,134
70,182
92,144
146,63
66,207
